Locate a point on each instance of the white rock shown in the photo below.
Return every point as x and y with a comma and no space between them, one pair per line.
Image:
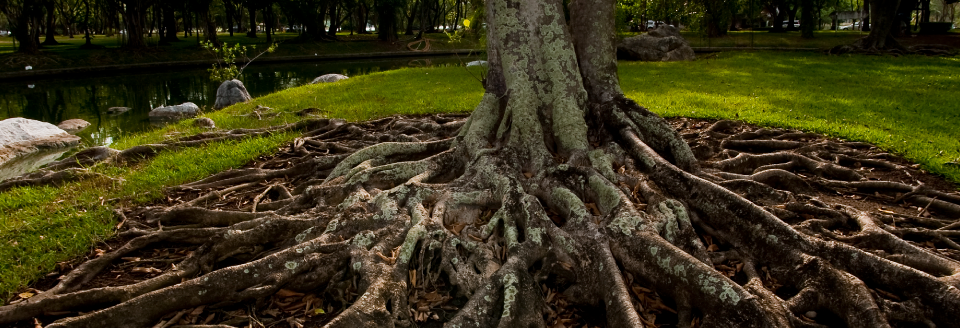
19,136
187,109
231,92
477,63
329,78
73,125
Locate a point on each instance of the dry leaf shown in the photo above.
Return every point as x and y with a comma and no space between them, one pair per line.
26,295
287,293
593,208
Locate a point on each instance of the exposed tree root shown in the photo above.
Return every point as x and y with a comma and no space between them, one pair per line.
386,236
558,201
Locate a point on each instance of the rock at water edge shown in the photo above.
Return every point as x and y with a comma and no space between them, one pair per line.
187,109
229,93
20,136
73,125
326,78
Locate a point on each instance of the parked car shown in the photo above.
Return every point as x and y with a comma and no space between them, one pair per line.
854,26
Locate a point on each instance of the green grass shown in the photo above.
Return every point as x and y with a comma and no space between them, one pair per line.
43,225
906,105
68,53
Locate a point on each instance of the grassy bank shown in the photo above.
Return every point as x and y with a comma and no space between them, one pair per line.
905,104
68,54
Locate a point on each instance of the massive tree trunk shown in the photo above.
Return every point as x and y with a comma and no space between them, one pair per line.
883,16
556,183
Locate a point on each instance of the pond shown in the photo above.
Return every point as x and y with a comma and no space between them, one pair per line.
54,100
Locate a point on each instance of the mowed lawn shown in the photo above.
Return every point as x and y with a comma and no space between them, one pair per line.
908,105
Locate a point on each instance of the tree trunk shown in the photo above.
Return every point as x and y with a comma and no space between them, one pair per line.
133,20
806,19
883,15
210,32
387,16
412,17
781,8
252,33
50,25
169,24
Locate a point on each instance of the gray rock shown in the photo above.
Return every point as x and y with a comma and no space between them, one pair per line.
204,122
20,136
73,125
117,110
661,44
187,109
326,78
477,63
229,93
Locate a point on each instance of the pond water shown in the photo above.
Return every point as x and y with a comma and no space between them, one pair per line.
54,100
88,98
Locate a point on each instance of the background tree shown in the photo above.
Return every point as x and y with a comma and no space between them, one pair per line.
24,18
387,11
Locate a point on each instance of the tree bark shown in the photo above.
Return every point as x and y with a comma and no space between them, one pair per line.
387,16
883,16
50,25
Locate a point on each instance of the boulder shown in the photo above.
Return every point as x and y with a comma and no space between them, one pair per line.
117,110
229,93
20,136
204,122
329,78
187,109
661,44
73,125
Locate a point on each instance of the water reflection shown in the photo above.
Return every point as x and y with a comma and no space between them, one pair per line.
88,98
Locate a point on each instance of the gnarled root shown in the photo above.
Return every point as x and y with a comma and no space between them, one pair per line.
399,233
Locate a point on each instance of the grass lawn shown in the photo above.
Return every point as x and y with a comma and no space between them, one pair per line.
906,105
67,53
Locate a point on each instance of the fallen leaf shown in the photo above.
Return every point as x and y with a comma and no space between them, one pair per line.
593,208
26,295
287,293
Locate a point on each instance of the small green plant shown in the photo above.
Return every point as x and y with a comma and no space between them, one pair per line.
226,66
457,36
